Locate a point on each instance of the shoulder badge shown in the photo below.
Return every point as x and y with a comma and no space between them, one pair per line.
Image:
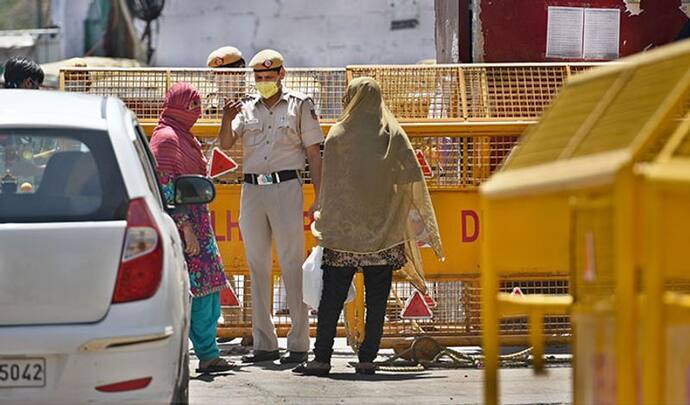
298,95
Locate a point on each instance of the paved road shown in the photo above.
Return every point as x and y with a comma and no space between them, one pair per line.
270,383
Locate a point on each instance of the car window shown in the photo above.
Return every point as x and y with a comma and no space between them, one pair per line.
50,175
149,164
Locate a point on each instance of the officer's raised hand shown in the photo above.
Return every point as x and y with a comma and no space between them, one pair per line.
231,109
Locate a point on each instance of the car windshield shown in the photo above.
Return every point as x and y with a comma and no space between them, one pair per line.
50,175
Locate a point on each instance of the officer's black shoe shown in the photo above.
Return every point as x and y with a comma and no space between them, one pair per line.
261,355
294,357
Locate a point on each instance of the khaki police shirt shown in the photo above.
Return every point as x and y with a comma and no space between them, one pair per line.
272,139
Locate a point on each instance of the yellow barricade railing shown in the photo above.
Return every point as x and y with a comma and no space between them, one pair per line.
603,181
465,119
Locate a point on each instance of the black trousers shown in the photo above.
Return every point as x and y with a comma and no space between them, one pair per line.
336,283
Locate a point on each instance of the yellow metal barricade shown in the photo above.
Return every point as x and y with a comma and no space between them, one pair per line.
464,118
602,185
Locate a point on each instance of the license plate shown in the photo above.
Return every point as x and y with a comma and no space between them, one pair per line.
29,372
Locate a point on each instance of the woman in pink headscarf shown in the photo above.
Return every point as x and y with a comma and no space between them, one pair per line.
178,152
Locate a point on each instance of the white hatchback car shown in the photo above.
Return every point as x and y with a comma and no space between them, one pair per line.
94,292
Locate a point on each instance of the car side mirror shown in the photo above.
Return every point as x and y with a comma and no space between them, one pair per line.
194,190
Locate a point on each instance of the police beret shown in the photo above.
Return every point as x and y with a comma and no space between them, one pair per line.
76,62
223,56
267,59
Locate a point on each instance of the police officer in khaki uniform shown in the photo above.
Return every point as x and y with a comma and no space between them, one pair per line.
278,127
225,84
231,57
225,57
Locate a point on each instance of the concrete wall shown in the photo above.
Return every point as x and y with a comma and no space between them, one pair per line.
69,15
306,32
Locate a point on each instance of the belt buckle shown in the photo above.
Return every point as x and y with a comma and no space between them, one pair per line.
264,179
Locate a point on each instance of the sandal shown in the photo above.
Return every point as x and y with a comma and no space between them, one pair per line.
313,368
216,365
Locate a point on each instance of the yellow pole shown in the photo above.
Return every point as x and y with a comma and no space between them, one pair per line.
651,312
351,325
168,79
626,359
575,381
463,94
360,307
536,335
490,325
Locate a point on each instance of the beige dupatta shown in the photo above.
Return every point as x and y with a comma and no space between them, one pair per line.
373,195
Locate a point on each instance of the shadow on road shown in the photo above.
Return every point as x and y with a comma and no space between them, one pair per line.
382,377
227,349
210,377
272,366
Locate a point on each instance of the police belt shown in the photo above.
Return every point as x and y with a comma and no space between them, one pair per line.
272,178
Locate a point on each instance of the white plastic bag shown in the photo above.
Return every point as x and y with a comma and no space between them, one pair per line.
351,293
312,280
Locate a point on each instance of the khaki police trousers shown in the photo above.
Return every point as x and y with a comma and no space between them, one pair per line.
266,212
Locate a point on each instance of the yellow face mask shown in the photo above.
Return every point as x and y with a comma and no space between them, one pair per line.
267,89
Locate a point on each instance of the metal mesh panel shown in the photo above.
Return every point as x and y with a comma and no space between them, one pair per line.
684,148
469,92
511,92
575,68
458,312
606,112
553,325
593,251
633,106
417,92
215,86
236,177
652,150
455,161
463,161
242,316
450,316
325,86
681,285
143,90
546,141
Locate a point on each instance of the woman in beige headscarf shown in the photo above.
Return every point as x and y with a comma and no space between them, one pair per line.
374,209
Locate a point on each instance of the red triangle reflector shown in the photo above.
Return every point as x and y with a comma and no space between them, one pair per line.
221,163
430,302
416,307
426,169
228,298
517,292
